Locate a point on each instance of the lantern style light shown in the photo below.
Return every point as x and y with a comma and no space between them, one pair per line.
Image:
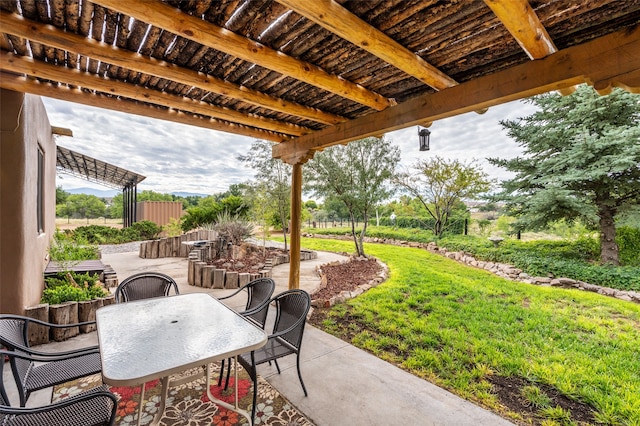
424,135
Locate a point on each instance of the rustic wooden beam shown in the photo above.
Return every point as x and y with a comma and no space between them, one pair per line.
61,131
50,36
29,85
203,32
524,25
335,18
28,66
612,58
296,210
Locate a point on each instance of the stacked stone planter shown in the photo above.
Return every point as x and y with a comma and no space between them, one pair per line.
172,246
64,313
201,274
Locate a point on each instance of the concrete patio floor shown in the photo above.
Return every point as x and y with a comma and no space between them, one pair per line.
346,385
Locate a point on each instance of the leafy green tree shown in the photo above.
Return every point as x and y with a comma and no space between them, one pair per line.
440,185
61,195
356,174
581,160
274,177
115,208
82,205
148,195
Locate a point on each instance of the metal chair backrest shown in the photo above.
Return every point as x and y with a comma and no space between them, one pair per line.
145,285
292,307
259,296
14,337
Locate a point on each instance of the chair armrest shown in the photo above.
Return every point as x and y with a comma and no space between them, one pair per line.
48,357
288,329
231,295
44,323
66,402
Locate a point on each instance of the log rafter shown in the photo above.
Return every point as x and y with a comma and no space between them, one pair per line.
24,65
29,85
219,38
98,51
335,18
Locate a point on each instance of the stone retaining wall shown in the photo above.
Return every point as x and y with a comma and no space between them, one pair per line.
201,274
502,269
64,313
173,246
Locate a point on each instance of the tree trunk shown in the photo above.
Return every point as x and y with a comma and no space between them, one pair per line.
354,234
608,246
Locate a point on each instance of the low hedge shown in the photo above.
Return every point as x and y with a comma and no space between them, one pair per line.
572,259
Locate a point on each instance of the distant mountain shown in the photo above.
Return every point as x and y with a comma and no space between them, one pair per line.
100,193
188,194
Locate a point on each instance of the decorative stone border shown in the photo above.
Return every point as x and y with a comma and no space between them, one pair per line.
345,295
502,269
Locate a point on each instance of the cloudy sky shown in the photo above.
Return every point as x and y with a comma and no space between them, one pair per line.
180,158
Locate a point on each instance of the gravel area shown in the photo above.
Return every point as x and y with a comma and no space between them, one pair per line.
120,248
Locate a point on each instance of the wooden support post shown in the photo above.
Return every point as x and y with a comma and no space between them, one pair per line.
296,209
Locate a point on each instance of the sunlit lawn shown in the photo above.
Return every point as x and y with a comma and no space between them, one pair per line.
455,325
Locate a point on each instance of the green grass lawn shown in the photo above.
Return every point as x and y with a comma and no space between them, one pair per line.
457,326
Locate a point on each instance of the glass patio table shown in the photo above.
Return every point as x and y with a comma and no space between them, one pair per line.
154,338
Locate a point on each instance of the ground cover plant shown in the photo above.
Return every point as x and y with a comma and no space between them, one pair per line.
567,357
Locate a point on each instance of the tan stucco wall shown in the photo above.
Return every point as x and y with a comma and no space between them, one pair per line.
23,250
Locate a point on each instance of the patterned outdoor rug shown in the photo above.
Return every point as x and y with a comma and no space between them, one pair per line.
188,405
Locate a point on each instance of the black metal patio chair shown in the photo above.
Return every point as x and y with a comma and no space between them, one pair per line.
52,368
292,307
96,407
259,292
145,285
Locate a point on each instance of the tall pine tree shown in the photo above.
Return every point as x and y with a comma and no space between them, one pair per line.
581,160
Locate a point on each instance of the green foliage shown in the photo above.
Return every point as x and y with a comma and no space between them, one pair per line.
60,289
357,175
572,259
195,217
581,156
98,234
628,240
440,184
271,191
172,229
61,195
145,229
65,250
82,206
453,227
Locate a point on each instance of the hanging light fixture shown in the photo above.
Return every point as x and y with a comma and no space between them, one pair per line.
424,135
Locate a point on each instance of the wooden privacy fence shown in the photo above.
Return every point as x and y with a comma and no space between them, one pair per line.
173,246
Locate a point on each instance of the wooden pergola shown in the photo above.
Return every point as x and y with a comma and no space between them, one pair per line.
312,74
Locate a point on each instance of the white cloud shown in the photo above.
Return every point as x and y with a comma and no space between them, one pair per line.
176,157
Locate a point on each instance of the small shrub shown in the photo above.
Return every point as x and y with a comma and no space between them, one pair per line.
65,250
233,228
146,229
61,288
172,229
